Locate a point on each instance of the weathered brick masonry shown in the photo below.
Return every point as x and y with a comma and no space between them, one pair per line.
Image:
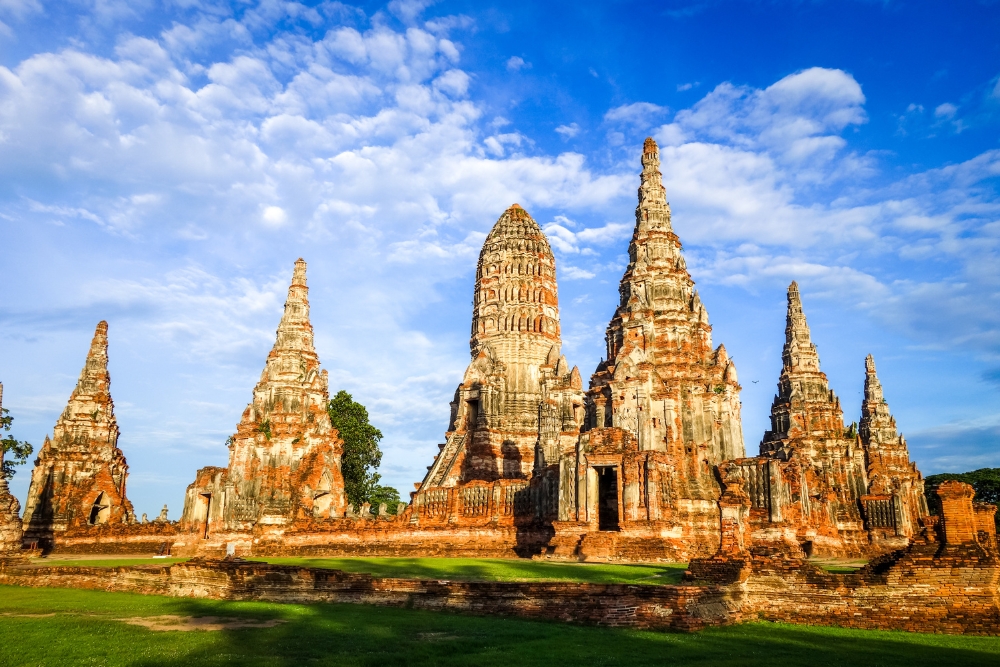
947,580
655,607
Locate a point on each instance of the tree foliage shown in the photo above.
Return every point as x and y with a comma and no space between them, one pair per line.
18,449
362,455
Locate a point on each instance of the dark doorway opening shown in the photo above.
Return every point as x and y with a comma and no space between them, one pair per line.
607,498
208,511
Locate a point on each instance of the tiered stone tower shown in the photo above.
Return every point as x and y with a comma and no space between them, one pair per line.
891,474
10,512
807,427
284,459
79,475
663,381
664,407
519,404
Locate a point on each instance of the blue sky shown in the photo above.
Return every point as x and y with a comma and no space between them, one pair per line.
163,163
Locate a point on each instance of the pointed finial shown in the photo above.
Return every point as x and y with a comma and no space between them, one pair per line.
299,273
651,190
515,205
870,364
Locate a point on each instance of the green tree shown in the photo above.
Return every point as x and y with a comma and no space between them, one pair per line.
19,450
362,455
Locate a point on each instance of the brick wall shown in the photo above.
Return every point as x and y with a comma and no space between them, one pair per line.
656,607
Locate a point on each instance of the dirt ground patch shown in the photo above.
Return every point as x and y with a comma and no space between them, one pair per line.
188,623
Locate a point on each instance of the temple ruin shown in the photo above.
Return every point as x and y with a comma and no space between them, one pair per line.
647,463
662,410
80,473
284,459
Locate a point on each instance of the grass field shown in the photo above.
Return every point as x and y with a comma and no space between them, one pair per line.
76,627
497,569
466,569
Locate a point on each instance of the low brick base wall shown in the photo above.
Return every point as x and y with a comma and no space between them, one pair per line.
655,607
954,591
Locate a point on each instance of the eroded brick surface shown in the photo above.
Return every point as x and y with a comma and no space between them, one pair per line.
80,473
284,459
647,464
617,605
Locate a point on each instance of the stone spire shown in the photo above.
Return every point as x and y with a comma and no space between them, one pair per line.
877,424
89,417
519,404
515,305
79,476
659,345
284,460
890,470
804,407
799,353
293,365
653,209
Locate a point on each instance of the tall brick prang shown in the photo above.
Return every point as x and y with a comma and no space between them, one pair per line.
891,474
666,387
80,473
284,459
519,405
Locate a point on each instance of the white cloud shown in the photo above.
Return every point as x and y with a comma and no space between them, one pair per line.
568,131
681,87
409,10
517,63
640,114
796,119
274,216
576,273
946,110
565,240
19,9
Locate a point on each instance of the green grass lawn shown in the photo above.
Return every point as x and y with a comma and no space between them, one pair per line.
497,569
40,626
839,565
466,569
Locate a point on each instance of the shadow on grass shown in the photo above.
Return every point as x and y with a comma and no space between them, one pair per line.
83,632
481,569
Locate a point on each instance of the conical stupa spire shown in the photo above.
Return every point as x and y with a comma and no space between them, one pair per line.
876,421
515,309
799,352
651,190
284,459
295,331
90,412
79,476
659,345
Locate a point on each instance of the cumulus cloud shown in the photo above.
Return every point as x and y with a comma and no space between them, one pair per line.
946,110
568,131
640,114
565,240
517,63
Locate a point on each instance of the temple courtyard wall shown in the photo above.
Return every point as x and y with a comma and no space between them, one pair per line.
937,589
